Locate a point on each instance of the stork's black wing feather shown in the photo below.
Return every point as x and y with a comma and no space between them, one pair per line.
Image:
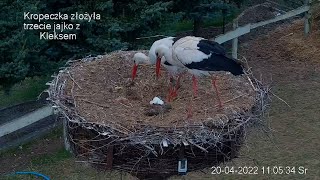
175,39
217,62
211,47
167,63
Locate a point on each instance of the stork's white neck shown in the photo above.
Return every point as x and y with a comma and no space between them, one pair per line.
146,60
165,52
168,55
141,58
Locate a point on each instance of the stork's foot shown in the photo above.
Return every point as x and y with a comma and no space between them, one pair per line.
175,84
172,94
169,97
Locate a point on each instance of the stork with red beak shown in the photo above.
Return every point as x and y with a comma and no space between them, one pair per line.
151,58
139,58
173,71
200,57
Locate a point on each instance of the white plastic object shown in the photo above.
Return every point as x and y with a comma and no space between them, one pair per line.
182,166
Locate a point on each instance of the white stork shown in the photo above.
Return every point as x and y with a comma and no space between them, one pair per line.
151,58
140,58
200,57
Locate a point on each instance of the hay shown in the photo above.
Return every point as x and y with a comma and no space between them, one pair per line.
105,109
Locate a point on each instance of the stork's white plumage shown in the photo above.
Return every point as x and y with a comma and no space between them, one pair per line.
200,57
140,58
152,58
173,67
168,42
165,62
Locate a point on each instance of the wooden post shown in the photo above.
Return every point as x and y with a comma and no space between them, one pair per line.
65,135
235,41
232,149
110,157
307,18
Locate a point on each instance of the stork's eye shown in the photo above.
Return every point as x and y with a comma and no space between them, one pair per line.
157,54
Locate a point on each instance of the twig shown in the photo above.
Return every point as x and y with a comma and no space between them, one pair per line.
230,100
280,99
74,80
203,149
72,94
97,104
124,105
290,34
148,37
90,139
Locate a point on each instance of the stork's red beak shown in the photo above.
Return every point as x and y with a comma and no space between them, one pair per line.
134,71
158,63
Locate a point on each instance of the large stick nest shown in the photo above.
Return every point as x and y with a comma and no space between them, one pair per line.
97,94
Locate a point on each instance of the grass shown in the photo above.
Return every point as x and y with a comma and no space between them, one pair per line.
69,170
28,89
51,158
27,147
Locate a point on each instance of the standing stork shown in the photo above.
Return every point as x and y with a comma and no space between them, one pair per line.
151,58
173,70
200,57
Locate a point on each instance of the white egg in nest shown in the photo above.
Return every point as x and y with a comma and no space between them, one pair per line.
156,100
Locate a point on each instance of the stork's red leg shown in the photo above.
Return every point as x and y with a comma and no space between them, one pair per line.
173,86
169,97
217,92
195,85
171,90
177,86
174,92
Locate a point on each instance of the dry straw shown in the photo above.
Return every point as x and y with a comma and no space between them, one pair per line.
107,113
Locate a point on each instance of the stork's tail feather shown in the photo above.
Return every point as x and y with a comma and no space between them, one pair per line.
241,65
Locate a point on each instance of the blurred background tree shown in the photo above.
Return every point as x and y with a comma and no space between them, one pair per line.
23,54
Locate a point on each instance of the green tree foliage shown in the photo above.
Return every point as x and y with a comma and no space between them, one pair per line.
16,46
239,3
23,54
198,10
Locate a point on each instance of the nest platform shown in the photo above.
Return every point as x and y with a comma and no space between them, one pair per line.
111,124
